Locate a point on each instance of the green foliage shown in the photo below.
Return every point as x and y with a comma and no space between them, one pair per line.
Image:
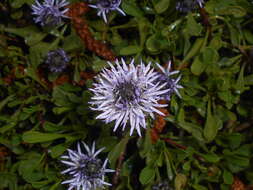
209,129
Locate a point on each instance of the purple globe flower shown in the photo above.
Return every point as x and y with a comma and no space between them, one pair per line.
86,170
105,6
171,83
127,94
57,60
186,6
50,12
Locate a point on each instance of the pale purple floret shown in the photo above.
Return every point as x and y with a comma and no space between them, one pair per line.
127,94
186,6
86,170
201,3
171,83
57,60
105,6
50,12
162,185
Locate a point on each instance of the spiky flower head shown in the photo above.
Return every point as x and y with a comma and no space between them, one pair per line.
127,94
105,6
171,83
186,6
50,12
86,170
57,60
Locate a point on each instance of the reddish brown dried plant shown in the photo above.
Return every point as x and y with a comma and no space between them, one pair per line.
159,124
238,184
75,12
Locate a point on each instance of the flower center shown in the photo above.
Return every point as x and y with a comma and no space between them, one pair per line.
49,17
127,93
109,3
105,3
57,60
92,168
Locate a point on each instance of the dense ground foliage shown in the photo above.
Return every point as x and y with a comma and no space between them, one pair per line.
203,142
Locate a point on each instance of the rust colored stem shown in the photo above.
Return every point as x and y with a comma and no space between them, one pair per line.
205,21
115,179
175,144
75,12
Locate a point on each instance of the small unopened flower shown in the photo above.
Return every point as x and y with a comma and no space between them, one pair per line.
128,94
57,60
186,6
105,6
163,185
171,83
50,12
87,172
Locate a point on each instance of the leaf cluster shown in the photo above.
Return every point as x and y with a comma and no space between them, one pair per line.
43,113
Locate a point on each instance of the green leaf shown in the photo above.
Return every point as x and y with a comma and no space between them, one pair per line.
234,35
168,165
193,28
8,180
131,8
192,128
147,175
37,137
244,150
210,55
146,144
32,40
60,110
213,158
236,11
72,42
40,184
98,65
7,127
240,84
51,127
199,187
64,98
212,124
19,3
5,101
180,181
194,50
143,26
117,151
130,50
31,34
187,165
227,177
198,66
57,150
55,186
232,140
237,160
29,167
161,6
156,43
216,42
248,36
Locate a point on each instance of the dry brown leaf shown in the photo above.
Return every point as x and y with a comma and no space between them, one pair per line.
238,184
82,29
